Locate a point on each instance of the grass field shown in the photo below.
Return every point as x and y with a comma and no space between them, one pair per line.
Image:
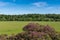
14,27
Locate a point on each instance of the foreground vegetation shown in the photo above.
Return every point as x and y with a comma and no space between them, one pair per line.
34,31
31,17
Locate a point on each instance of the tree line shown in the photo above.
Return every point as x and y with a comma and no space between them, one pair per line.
31,17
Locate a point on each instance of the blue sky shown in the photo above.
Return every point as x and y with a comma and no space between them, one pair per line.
29,6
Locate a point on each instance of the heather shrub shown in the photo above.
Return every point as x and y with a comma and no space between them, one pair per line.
3,37
49,30
57,37
38,28
41,28
31,27
33,36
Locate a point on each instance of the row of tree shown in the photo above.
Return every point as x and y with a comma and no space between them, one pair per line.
31,17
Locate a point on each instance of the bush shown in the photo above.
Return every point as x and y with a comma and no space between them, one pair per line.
32,27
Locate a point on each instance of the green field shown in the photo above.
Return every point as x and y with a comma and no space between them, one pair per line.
14,27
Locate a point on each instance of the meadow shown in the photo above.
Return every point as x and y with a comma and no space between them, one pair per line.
14,27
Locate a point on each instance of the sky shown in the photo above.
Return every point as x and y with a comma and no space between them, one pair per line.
29,6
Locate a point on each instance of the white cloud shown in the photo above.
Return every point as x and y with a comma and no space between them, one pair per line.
40,4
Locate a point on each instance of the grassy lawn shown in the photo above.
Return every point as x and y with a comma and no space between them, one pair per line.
13,27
